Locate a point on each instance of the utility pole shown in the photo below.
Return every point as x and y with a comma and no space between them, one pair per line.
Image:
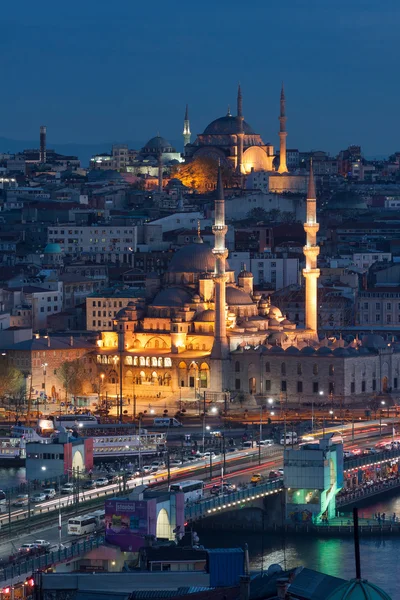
169,470
210,466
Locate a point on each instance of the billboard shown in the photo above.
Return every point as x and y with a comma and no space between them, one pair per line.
126,523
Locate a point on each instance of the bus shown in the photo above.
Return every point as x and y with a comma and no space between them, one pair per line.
192,489
167,422
100,516
82,525
73,420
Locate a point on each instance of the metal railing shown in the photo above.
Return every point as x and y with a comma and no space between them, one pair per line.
28,566
209,506
370,459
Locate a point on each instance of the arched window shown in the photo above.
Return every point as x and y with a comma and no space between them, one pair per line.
268,367
299,369
315,369
135,361
237,367
160,362
210,328
156,344
283,369
153,361
128,360
167,362
142,361
148,361
331,370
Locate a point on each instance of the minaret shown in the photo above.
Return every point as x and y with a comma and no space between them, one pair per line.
220,347
160,172
42,151
311,251
186,128
240,135
282,135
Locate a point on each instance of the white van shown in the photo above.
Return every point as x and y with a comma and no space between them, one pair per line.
290,439
166,422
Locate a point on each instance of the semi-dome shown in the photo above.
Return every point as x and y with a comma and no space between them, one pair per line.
52,249
173,296
228,125
207,316
358,589
193,258
374,341
158,144
235,296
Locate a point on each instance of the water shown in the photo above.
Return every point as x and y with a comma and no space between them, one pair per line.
11,478
334,556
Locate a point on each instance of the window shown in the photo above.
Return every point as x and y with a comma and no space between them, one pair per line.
331,387
267,385
283,386
377,305
283,369
315,369
374,385
331,370
388,318
315,387
366,305
268,367
299,387
42,309
395,383
363,387
299,369
378,318
237,367
353,388
237,384
389,306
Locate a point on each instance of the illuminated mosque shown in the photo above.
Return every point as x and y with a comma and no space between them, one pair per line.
199,333
232,141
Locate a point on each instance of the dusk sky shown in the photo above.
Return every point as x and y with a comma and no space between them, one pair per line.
95,71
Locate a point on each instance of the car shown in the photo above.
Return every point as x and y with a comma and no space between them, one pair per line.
256,478
274,475
42,544
89,485
265,443
113,478
158,463
231,449
146,469
26,548
67,488
21,500
281,471
175,463
226,488
209,454
50,493
40,497
101,481
57,547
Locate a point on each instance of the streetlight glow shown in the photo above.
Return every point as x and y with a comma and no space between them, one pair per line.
270,400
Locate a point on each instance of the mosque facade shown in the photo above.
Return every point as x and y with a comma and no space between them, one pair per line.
199,333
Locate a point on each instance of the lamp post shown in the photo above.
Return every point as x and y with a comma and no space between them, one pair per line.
262,407
380,417
102,388
44,365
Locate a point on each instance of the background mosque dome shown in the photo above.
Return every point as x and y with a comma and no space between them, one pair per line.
374,341
245,273
173,296
158,144
52,249
358,589
234,296
193,258
275,312
228,125
207,316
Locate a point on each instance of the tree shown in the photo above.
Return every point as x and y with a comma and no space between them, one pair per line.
257,214
201,174
11,379
72,376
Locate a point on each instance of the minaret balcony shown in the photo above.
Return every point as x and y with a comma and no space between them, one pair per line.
311,228
219,228
311,273
311,251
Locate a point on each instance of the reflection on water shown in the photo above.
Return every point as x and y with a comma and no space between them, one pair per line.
10,478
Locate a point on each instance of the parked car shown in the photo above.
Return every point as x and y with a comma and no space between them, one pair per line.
26,548
21,500
42,544
50,493
40,497
101,481
231,449
67,488
281,471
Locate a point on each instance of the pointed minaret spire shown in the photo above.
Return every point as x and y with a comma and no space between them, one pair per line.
240,134
282,134
228,114
186,128
311,251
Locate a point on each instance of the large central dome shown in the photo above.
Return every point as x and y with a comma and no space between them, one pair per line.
193,258
227,125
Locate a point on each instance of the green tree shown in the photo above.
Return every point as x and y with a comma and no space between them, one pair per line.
72,375
258,214
11,379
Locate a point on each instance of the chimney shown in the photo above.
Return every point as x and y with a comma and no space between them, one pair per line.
71,340
43,133
244,587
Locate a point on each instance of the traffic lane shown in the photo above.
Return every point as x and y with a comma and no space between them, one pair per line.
50,534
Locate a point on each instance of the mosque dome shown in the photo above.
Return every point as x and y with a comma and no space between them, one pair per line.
341,352
362,351
273,322
52,249
346,200
245,273
307,350
156,145
277,350
292,350
275,312
374,341
324,351
278,337
228,125
358,589
235,296
193,258
208,316
173,296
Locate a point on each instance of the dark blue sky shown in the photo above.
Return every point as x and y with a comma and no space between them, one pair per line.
96,71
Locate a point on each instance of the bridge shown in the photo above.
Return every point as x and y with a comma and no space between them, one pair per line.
209,506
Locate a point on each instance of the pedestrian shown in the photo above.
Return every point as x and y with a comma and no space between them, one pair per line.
394,517
383,517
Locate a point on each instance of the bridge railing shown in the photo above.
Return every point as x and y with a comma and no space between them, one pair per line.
370,459
208,505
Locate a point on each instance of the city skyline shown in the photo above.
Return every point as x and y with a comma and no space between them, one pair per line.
96,77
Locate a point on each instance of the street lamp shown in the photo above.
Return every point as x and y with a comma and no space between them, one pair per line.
214,410
259,441
270,401
102,375
272,413
44,365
